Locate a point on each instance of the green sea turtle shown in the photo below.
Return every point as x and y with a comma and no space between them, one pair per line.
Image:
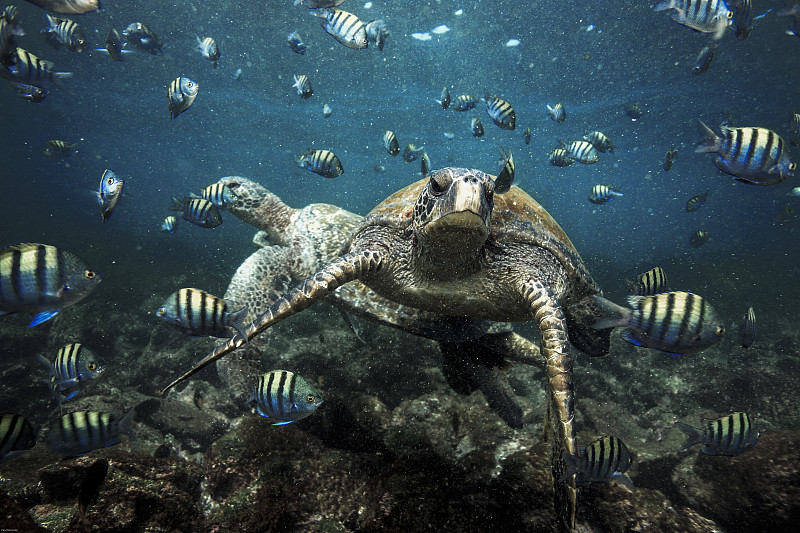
448,245
295,243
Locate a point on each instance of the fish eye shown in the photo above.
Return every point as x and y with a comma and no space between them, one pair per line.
720,331
110,181
792,166
89,274
91,366
310,398
730,14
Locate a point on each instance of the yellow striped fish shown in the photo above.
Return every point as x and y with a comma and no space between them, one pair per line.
303,86
181,94
83,431
672,322
501,111
476,126
343,26
505,179
218,194
654,281
390,143
198,313
42,279
729,435
208,48
16,437
606,459
747,329
322,162
55,148
73,366
600,141
284,396
198,211
705,16
64,32
581,151
28,68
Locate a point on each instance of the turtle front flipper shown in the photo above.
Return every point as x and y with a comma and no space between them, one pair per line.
560,391
342,270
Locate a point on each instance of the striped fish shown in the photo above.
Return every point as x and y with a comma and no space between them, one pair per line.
198,211
56,148
729,435
17,437
343,26
113,45
27,68
559,157
672,322
284,396
669,158
140,36
581,151
501,111
654,281
742,17
64,32
600,141
699,238
208,48
445,98
425,164
303,86
705,16
73,366
41,279
109,192
476,126
296,43
752,155
465,102
505,179
68,6
606,459
170,224
30,93
322,162
390,143
411,152
9,30
218,194
526,135
794,129
747,329
198,313
81,432
696,202
181,94
557,112
377,32
602,194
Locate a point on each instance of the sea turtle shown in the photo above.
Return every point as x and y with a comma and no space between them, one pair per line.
295,243
448,245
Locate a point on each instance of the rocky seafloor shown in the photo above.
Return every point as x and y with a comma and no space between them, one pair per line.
392,448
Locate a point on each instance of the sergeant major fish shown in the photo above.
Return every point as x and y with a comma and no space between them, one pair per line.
74,365
602,194
140,36
560,157
42,279
114,45
32,70
181,94
303,86
326,111
526,135
557,112
198,211
218,194
501,112
705,16
322,162
699,238
600,142
654,281
672,322
109,193
581,151
56,148
284,397
80,432
170,224
504,180
696,202
606,459
296,43
208,49
794,129
343,26
10,29
634,111
377,32
31,93
411,152
476,126
747,328
17,437
390,143
64,32
464,102
445,98
752,155
729,435
198,313
669,158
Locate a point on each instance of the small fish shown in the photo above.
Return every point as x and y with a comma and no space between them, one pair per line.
742,17
377,32
64,32
198,211
201,314
109,193
795,192
10,29
747,328
449,135
600,141
729,435
465,102
606,459
476,126
32,70
581,151
559,157
284,396
787,216
68,6
390,143
42,279
170,224
30,93
505,178
634,111
56,148
80,432
380,169
792,9
198,399
705,16
794,129
326,111
208,48
654,281
501,112
73,367
237,74
218,194
181,94
557,112
704,59
757,156
696,202
672,322
526,135
140,36
17,437
699,238
343,26
303,86
445,98
296,43
114,45
316,4
322,162
602,194
669,158
425,164
411,152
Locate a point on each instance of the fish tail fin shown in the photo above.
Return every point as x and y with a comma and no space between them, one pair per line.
234,320
42,359
177,204
666,4
124,423
710,142
572,466
616,314
694,434
624,480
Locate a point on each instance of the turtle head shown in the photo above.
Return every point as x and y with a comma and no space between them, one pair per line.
452,214
257,206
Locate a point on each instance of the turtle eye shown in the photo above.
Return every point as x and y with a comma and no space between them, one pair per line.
438,184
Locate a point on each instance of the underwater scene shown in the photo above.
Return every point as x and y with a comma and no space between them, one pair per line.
437,265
